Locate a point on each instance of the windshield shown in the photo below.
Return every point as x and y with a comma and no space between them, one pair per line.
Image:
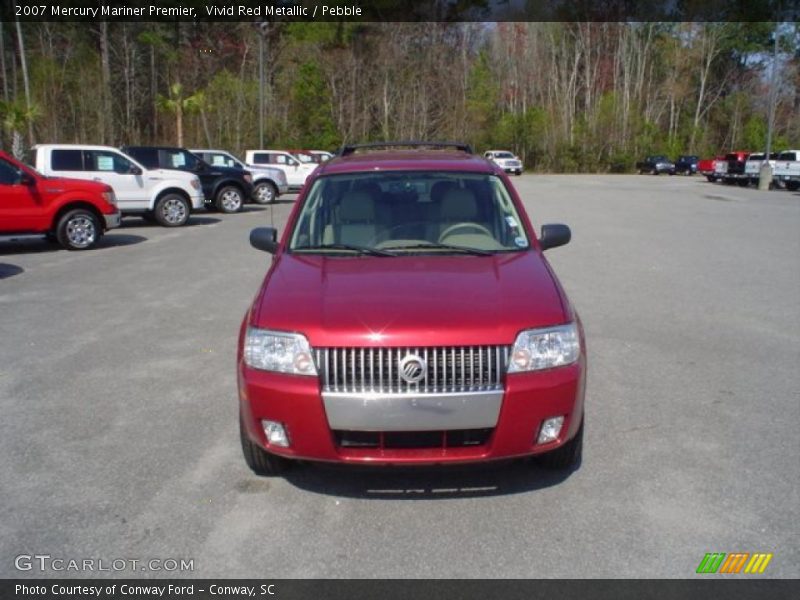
503,155
408,212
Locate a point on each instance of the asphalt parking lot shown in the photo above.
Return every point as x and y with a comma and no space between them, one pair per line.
119,432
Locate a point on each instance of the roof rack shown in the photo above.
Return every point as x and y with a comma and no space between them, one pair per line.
348,149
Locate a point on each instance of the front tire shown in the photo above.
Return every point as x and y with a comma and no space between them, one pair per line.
172,210
259,460
78,229
793,186
230,200
567,456
265,193
711,178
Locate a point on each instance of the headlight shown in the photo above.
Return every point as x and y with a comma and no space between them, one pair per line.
545,348
278,351
196,183
110,198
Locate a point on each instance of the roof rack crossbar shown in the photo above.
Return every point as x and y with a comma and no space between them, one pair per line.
352,148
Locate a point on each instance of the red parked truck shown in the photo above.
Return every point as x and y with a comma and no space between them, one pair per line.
409,316
76,213
706,167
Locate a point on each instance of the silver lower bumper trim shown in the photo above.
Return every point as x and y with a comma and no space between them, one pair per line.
112,220
412,412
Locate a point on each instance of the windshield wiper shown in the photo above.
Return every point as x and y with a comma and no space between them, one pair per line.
350,247
438,246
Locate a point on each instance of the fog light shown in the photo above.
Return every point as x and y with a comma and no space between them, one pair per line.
550,430
276,434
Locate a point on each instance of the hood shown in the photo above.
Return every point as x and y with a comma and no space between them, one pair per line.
410,300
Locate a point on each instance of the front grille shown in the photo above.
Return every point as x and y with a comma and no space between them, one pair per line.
459,438
377,370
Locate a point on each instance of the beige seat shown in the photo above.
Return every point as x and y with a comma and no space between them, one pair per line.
458,206
355,223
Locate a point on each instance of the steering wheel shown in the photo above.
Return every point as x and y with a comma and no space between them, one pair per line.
473,226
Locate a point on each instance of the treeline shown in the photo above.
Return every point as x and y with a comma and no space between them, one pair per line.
564,96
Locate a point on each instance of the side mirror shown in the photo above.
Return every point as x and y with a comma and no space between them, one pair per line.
265,239
554,235
134,170
26,179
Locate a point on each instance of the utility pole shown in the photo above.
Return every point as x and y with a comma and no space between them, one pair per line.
261,28
765,173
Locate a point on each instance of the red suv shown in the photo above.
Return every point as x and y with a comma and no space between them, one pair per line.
410,317
76,213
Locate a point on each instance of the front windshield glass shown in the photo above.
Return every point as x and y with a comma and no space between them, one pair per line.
408,212
503,155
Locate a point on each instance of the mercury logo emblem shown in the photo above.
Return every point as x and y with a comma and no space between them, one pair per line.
413,368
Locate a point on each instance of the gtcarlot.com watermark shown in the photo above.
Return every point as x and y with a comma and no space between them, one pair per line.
42,563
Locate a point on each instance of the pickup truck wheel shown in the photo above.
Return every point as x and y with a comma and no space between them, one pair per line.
567,456
259,460
265,193
793,186
78,230
711,178
743,182
230,199
172,210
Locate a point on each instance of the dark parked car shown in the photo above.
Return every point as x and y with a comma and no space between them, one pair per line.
655,165
226,189
410,317
686,164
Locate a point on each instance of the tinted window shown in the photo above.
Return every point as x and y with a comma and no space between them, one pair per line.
787,156
9,174
219,159
105,161
67,160
261,158
147,156
178,159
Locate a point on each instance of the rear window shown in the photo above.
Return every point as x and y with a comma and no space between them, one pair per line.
409,212
787,156
67,160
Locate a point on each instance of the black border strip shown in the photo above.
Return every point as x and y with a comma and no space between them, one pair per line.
405,10
742,588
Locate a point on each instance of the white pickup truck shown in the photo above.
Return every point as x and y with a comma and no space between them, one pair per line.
165,196
268,182
787,169
295,170
752,168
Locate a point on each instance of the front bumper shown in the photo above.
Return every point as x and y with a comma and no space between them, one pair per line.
113,220
513,420
197,200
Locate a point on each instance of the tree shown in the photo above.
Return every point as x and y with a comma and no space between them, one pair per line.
16,118
180,104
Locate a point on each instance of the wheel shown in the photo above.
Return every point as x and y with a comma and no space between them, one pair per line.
567,456
793,186
265,193
654,171
172,210
78,229
259,460
711,178
743,182
230,199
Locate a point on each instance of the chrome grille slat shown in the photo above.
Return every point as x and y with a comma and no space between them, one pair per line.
377,370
